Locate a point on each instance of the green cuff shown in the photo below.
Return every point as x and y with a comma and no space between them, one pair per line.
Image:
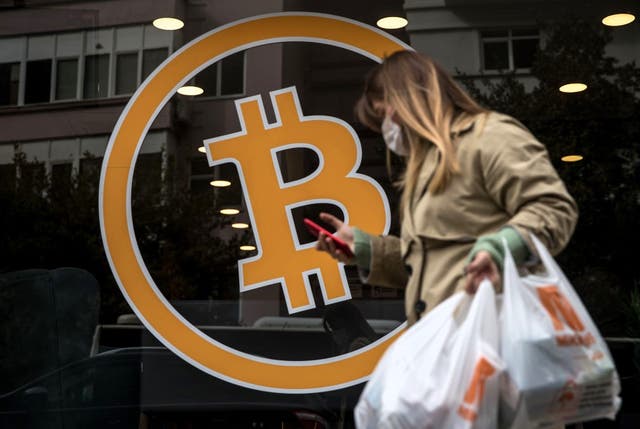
362,248
492,243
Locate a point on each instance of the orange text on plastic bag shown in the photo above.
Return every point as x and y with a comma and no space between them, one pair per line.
563,316
473,396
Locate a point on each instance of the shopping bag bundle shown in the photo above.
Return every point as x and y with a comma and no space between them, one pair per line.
442,373
534,361
559,369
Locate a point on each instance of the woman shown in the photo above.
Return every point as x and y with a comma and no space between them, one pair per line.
473,177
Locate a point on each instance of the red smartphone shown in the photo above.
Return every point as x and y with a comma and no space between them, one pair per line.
316,229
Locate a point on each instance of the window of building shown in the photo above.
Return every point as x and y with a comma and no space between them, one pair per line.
226,77
9,81
108,62
96,76
126,73
232,74
509,49
38,82
152,58
66,79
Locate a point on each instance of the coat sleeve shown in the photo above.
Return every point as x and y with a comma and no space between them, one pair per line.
519,177
387,268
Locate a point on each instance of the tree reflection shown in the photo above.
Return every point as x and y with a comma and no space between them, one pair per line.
51,223
603,125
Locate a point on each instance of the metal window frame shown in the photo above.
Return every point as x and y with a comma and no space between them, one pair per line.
509,38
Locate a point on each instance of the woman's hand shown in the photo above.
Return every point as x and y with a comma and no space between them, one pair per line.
343,231
480,268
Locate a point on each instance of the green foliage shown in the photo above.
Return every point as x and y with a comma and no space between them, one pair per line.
603,125
188,250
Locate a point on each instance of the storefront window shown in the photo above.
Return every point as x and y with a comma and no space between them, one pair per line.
170,317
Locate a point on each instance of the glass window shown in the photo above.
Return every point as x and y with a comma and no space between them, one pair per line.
509,49
152,58
38,82
96,76
225,77
9,81
207,79
67,79
232,75
524,51
496,56
84,353
126,73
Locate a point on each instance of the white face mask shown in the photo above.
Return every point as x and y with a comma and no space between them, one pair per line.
392,135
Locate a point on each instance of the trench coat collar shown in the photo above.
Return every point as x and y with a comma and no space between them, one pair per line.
462,126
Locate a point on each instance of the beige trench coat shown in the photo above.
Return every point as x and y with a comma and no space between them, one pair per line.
506,178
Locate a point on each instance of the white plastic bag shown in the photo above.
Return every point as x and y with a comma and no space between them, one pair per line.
442,373
559,369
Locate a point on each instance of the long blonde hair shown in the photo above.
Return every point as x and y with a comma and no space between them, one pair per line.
429,104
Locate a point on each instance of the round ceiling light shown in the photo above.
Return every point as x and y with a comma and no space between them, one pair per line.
571,158
220,183
247,247
392,22
169,24
202,149
240,225
229,212
190,90
618,19
573,87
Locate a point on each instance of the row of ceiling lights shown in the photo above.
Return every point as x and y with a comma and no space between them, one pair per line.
615,20
172,24
388,23
396,22
393,23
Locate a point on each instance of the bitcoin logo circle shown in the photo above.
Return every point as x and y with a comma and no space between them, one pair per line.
133,278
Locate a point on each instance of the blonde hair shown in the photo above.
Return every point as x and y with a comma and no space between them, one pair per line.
429,104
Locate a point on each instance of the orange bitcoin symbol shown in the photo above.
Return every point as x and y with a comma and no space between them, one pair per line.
281,258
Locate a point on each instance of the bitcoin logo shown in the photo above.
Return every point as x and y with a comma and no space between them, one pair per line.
332,141
281,258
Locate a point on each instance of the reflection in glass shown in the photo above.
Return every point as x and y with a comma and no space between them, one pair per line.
126,73
151,58
9,80
496,55
232,79
38,83
66,79
524,51
96,76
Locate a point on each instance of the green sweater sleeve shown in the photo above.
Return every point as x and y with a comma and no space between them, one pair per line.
492,243
362,249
